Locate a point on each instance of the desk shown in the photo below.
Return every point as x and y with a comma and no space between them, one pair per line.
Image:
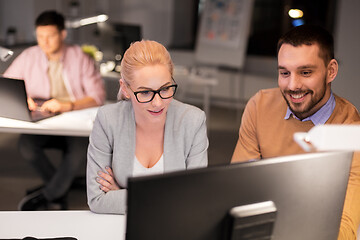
83,225
74,123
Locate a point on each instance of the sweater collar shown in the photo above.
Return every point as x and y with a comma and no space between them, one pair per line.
321,116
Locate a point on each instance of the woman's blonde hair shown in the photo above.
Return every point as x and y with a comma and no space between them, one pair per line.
141,54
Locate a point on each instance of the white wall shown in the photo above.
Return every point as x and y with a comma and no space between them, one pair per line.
155,16
18,14
347,46
22,14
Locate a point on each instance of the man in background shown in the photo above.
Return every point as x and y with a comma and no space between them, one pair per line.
306,69
67,79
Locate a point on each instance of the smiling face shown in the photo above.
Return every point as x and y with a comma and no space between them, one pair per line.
149,78
50,39
303,79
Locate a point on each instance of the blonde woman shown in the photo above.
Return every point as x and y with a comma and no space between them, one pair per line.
146,132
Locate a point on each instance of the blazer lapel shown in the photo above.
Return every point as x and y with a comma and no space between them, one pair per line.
127,144
171,163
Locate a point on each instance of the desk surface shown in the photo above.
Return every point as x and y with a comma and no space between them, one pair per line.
74,123
83,225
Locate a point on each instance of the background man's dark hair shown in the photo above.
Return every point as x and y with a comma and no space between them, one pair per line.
309,35
51,18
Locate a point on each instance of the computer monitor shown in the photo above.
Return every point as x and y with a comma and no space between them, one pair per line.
307,190
124,35
115,38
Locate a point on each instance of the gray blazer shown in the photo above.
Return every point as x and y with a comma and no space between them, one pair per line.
112,143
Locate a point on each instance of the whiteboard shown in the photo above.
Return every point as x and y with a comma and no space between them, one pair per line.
224,33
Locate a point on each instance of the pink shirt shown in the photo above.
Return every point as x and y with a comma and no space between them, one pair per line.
81,77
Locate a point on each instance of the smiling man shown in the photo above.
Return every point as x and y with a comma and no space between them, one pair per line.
306,69
305,80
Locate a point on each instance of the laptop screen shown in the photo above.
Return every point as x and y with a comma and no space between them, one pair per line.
13,101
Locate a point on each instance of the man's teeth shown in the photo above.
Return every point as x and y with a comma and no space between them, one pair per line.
297,96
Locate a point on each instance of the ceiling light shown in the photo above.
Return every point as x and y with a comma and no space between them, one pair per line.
295,13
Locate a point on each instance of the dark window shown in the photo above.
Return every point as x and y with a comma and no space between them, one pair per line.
270,20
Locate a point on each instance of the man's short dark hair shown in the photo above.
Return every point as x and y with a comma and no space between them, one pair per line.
51,18
309,35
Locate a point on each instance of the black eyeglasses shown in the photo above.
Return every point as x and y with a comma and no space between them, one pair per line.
148,95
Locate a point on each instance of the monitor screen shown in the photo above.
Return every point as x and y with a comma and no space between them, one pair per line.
300,197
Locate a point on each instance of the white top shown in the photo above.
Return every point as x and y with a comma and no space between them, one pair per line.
140,170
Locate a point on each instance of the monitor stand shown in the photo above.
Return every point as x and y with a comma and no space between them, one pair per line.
252,222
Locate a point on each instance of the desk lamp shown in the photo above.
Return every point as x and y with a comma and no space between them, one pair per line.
5,54
86,21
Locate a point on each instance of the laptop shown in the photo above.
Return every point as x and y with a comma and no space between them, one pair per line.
13,102
307,193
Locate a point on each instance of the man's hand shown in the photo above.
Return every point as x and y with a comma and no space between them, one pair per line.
31,104
54,105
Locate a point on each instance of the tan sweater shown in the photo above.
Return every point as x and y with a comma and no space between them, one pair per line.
264,133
